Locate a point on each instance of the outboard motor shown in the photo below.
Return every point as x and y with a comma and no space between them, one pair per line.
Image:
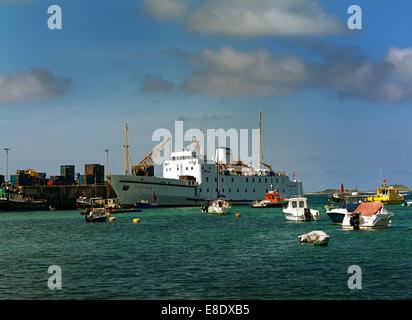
308,216
205,207
355,220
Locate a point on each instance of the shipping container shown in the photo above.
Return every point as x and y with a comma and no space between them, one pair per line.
94,170
69,180
42,175
57,178
13,179
67,170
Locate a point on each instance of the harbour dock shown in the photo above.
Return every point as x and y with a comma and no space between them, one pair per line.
63,197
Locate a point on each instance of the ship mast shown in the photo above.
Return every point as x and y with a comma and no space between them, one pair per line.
126,170
260,155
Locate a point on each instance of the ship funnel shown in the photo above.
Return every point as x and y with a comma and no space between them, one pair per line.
223,155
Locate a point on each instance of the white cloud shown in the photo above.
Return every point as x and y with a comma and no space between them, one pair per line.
263,17
401,59
31,85
166,9
248,17
227,72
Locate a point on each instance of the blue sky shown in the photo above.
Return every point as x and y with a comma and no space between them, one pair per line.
335,103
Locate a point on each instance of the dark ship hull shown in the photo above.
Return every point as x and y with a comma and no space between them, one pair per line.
17,205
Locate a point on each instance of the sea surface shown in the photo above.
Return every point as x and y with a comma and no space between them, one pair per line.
181,253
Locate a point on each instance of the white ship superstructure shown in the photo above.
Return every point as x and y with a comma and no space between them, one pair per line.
189,179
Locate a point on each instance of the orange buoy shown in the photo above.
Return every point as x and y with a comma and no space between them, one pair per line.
237,215
137,220
112,219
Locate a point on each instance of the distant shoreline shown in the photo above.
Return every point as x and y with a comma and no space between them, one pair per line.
359,192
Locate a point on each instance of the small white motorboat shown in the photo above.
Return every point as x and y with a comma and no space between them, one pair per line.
318,238
219,206
407,203
368,215
297,210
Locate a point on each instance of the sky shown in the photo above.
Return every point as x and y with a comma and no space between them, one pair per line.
335,102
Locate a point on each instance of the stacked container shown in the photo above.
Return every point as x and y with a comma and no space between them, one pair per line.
93,173
67,171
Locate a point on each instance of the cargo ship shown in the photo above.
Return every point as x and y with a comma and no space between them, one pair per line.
13,201
189,179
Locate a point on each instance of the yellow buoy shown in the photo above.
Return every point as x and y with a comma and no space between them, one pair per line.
137,220
112,219
108,214
237,215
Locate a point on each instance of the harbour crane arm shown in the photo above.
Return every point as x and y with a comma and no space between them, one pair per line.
148,160
267,166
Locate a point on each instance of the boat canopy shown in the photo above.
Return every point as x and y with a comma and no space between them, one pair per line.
368,209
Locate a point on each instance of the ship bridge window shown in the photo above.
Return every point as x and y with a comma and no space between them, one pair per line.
207,179
294,204
301,204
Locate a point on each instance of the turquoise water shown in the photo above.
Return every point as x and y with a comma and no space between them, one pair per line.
181,253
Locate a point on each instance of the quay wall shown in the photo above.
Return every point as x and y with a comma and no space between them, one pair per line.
64,197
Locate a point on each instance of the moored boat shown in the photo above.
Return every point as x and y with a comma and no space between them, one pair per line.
273,199
145,204
85,202
219,206
407,203
297,210
96,215
13,201
368,215
386,195
336,214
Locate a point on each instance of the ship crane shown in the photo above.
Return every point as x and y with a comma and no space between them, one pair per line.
147,162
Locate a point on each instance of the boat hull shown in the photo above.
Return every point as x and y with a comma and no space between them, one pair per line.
95,219
10,205
167,192
379,221
268,205
336,216
297,216
220,211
